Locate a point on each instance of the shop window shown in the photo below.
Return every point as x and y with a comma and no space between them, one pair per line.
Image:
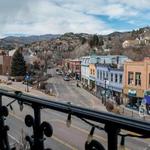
120,78
137,78
130,77
111,77
116,78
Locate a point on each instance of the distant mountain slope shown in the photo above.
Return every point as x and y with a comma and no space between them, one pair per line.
11,41
72,45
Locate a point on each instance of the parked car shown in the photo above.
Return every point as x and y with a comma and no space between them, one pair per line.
66,78
59,73
9,82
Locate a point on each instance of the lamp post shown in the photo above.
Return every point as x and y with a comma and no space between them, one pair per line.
27,78
105,96
105,93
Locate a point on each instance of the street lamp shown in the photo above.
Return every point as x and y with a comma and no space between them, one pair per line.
105,93
106,82
27,78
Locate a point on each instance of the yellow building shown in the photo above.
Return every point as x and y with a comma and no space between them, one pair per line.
92,75
136,80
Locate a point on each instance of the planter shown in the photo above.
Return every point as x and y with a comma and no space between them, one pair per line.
19,78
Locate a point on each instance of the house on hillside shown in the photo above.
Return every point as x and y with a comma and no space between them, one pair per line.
130,43
28,55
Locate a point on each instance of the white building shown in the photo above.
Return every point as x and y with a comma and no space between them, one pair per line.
85,61
118,60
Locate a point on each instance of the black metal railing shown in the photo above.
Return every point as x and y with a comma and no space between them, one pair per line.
112,123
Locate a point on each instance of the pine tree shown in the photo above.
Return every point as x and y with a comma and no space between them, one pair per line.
18,66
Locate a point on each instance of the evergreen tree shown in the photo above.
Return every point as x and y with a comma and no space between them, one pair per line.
95,40
18,66
101,42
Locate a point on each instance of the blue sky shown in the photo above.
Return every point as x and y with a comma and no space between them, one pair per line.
34,17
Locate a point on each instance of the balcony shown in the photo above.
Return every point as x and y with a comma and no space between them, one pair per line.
111,124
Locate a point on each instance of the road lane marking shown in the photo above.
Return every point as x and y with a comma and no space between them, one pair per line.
80,129
12,137
56,120
136,134
53,137
64,143
57,93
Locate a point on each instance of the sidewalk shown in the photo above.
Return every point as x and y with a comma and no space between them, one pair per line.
20,87
132,113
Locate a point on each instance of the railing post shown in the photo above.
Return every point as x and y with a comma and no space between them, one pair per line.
4,143
112,133
37,133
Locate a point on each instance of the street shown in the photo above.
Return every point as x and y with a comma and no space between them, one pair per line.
63,138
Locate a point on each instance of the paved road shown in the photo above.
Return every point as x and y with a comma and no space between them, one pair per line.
64,138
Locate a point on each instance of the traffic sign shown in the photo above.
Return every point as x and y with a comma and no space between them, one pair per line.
27,77
142,111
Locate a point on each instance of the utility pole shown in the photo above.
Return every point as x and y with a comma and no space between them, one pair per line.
105,93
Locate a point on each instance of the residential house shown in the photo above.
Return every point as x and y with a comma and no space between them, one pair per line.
130,43
136,81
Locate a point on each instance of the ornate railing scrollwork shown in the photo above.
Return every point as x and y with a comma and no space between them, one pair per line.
36,141
112,123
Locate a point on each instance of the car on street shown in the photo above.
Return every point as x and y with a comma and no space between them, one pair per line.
66,78
59,72
9,82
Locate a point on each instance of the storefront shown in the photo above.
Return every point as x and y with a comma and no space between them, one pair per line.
92,82
134,101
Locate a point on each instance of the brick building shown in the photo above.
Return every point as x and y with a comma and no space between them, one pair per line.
5,64
136,81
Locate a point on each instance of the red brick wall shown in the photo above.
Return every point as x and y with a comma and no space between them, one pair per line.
6,67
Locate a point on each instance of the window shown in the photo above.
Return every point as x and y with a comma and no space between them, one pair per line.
106,75
98,74
90,71
130,77
120,78
103,75
137,78
93,71
116,78
77,67
111,77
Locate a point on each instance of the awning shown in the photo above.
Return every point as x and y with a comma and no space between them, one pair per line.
147,92
147,99
132,93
